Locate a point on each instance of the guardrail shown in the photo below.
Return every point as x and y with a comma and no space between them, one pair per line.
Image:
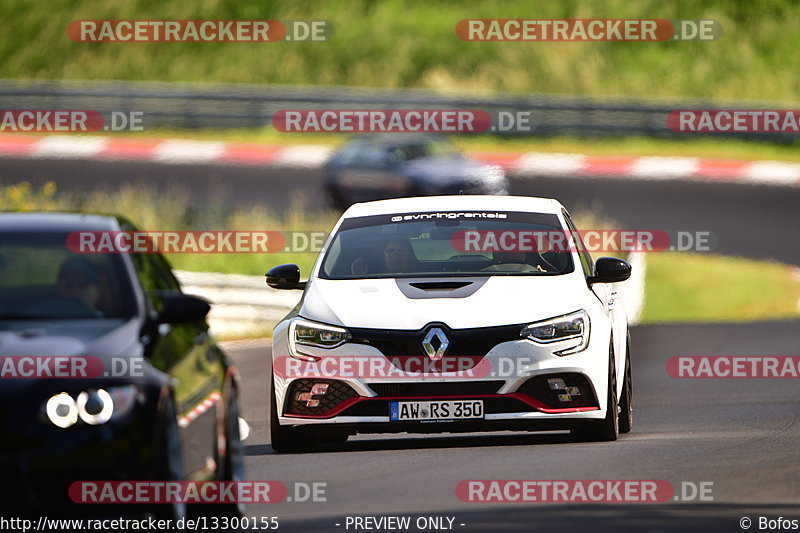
184,105
242,306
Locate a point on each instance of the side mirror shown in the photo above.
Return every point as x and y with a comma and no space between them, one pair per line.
179,308
285,277
610,270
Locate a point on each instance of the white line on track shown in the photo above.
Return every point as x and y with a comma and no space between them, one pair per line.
60,146
181,151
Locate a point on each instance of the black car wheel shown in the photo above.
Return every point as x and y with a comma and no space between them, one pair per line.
336,199
626,402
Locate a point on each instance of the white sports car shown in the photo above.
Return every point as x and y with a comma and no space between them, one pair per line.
451,314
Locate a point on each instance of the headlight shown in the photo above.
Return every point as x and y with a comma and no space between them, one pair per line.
92,406
95,406
574,326
306,333
62,410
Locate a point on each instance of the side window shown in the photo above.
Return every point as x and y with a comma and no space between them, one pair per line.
583,253
415,151
439,148
154,273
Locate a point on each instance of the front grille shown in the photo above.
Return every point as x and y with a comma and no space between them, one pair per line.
426,390
539,389
467,346
337,393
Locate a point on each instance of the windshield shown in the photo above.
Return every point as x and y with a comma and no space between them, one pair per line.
433,245
40,278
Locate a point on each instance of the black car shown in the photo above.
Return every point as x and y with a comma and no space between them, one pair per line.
381,166
165,406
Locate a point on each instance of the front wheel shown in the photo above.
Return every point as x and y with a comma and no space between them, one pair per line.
626,402
606,429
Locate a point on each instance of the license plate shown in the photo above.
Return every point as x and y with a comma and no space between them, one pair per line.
436,410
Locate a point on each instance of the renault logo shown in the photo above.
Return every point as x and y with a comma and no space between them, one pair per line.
435,352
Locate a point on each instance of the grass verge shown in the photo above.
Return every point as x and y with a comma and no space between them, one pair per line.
397,43
686,287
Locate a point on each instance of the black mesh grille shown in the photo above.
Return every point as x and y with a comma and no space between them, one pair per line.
465,388
337,393
539,389
467,346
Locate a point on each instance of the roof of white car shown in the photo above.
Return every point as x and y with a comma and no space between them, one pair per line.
426,204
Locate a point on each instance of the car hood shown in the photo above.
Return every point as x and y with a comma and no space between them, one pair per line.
102,338
385,304
99,337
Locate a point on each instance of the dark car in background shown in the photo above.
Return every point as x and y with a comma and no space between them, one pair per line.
382,166
165,406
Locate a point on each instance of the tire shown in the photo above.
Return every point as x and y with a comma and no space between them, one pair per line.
169,462
626,401
285,439
336,199
607,429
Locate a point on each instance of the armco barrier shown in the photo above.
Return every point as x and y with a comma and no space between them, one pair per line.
201,105
242,306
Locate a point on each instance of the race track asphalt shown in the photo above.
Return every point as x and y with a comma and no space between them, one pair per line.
741,435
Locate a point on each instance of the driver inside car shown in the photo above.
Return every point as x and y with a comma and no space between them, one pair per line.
517,261
77,292
397,257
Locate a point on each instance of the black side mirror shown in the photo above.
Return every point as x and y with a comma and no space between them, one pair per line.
610,270
179,308
285,277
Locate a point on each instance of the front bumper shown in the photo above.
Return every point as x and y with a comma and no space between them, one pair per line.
511,383
40,461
